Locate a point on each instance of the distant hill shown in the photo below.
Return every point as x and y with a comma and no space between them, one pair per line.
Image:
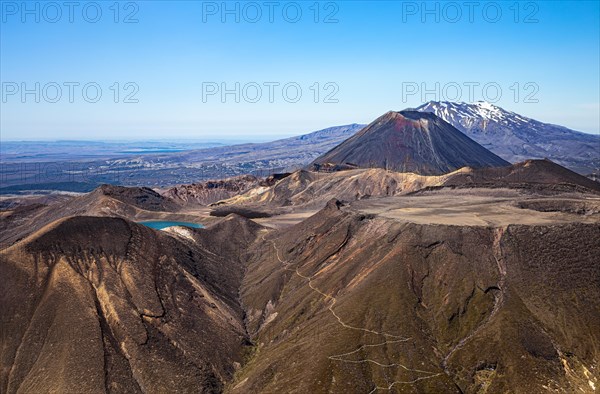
279,154
175,168
409,141
106,200
206,193
313,189
140,197
516,138
529,172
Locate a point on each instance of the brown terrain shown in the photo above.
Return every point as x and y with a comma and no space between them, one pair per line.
490,288
409,141
305,191
478,280
355,301
93,304
137,203
209,192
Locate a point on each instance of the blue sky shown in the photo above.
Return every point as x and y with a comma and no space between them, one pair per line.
362,63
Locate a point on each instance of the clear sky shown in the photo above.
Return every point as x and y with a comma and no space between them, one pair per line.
356,59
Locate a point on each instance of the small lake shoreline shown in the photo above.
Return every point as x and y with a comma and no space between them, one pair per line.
160,225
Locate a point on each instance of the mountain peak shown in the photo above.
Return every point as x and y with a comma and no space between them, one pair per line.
478,109
409,141
408,115
516,138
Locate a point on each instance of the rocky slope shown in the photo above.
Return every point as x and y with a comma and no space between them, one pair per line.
140,197
94,304
409,141
354,302
516,138
480,280
206,193
396,294
306,189
106,200
527,174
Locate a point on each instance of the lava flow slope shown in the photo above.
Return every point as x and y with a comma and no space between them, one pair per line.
409,141
348,301
97,304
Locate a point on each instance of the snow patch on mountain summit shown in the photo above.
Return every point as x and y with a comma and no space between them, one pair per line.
517,138
468,114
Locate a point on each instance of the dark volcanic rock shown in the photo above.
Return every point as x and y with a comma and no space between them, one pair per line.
531,174
410,141
140,197
241,211
348,300
94,304
206,193
343,302
106,200
211,192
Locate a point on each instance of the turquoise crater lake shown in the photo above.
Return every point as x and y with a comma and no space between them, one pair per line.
160,225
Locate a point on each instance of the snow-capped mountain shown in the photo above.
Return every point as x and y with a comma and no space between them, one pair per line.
516,138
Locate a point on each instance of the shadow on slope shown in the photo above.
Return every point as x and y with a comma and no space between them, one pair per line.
95,304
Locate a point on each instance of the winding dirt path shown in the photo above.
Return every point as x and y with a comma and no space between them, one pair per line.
340,357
